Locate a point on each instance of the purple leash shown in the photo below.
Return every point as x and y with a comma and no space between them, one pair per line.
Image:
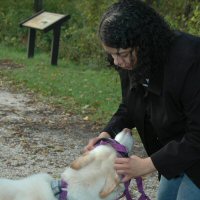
126,191
141,189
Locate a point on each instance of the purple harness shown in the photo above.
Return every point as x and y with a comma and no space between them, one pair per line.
122,150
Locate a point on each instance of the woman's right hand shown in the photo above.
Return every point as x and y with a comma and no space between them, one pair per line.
93,141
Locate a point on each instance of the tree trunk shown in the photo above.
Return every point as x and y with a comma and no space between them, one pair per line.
149,2
38,5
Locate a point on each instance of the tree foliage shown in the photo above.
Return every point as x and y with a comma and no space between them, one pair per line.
79,41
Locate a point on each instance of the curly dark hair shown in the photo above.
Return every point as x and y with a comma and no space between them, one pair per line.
132,23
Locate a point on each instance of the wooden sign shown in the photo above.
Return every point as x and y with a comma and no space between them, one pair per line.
45,21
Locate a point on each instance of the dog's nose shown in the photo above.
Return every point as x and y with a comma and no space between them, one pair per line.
127,130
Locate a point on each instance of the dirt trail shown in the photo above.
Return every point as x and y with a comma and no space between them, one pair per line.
35,137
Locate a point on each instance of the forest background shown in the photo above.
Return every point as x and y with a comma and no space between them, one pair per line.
82,58
79,40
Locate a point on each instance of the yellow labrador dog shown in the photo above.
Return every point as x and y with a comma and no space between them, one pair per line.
90,177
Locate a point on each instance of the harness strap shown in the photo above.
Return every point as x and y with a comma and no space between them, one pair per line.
56,187
63,194
121,149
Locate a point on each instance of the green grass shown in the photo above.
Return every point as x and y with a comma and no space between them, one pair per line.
91,92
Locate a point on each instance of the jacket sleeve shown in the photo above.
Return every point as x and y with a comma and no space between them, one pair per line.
121,117
178,156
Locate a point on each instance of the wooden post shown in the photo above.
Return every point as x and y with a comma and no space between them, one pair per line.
38,5
31,42
55,45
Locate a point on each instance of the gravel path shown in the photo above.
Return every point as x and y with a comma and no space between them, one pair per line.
35,137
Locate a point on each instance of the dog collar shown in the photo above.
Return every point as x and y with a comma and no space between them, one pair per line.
59,188
121,149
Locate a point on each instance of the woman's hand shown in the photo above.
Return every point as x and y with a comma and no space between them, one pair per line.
93,141
133,167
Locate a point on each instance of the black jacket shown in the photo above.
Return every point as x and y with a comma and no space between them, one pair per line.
167,112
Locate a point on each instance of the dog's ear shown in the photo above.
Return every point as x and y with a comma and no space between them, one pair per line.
82,161
112,181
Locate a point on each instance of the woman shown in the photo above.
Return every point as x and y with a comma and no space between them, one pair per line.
160,74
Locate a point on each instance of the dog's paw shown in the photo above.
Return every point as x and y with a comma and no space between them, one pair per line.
81,161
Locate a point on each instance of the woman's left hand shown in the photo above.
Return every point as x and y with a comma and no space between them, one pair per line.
133,167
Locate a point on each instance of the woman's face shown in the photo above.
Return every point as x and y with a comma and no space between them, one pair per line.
124,58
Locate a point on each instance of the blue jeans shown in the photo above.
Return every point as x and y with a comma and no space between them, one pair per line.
181,188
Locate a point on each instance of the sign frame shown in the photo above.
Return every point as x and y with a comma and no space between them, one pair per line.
45,21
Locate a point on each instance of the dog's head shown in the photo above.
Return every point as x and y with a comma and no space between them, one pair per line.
96,168
125,138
